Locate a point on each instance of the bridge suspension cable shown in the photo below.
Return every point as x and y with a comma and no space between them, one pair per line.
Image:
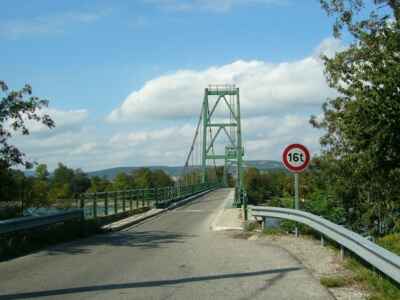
217,137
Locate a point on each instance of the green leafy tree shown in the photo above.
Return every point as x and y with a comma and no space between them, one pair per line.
98,184
161,179
143,178
80,182
41,172
362,124
123,181
16,107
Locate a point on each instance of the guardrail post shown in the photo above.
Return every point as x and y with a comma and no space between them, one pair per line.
341,252
143,197
137,198
156,196
322,241
106,204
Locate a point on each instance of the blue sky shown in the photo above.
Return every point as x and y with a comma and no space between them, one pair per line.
88,57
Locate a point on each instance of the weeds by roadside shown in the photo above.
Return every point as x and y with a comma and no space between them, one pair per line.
334,281
379,287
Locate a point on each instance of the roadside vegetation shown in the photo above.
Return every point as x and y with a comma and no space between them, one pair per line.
60,188
355,179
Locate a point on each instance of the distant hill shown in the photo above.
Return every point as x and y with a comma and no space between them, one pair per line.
263,165
111,173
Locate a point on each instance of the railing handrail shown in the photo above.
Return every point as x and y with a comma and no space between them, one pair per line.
379,257
22,223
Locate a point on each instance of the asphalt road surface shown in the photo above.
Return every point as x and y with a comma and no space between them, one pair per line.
173,256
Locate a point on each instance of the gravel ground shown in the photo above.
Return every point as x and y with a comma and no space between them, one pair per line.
321,261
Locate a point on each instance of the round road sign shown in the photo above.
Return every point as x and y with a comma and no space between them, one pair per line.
296,158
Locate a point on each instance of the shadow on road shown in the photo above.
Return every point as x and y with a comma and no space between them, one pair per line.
137,239
144,284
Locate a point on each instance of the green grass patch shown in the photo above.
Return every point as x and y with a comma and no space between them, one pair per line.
376,284
251,226
273,231
334,281
390,242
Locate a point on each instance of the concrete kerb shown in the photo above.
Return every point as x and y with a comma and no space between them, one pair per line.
225,214
127,222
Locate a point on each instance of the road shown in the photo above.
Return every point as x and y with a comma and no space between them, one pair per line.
173,256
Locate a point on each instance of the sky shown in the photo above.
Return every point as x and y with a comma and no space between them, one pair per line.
125,79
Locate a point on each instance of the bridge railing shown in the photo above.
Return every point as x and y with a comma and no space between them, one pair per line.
380,258
103,204
24,223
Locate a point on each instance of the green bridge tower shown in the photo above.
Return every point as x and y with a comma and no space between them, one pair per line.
221,115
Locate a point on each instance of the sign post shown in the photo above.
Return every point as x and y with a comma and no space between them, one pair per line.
296,158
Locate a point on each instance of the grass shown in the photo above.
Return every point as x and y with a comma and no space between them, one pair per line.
334,281
273,231
251,226
379,287
391,242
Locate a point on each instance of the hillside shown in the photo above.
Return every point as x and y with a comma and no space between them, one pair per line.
263,165
176,171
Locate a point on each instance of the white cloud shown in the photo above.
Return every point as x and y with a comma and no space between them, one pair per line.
63,119
211,5
329,47
277,101
49,24
265,88
265,137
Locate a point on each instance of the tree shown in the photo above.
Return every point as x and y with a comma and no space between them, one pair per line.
16,107
161,179
98,184
41,172
123,181
362,124
347,14
62,174
143,178
80,182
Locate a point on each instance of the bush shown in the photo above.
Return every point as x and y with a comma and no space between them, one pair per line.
334,281
390,242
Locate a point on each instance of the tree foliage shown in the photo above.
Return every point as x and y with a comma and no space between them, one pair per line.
361,144
16,107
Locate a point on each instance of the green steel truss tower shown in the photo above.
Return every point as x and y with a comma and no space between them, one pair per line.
217,100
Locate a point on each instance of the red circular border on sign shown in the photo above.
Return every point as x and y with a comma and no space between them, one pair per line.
299,168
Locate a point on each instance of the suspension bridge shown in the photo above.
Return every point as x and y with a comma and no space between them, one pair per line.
218,137
173,252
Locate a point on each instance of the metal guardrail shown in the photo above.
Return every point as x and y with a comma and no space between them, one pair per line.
18,224
380,258
95,205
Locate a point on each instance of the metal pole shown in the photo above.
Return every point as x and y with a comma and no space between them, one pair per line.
205,123
296,190
296,198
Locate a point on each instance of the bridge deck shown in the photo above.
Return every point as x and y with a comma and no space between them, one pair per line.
174,256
